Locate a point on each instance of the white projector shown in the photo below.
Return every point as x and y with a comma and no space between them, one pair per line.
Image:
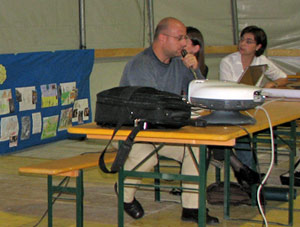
226,99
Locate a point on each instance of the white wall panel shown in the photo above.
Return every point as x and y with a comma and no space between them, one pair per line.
278,18
212,17
114,23
38,25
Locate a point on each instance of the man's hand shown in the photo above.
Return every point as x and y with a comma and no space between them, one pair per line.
190,61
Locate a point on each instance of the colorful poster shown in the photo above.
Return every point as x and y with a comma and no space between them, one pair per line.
49,95
2,74
81,111
65,119
49,127
68,93
6,102
25,127
26,97
9,128
36,123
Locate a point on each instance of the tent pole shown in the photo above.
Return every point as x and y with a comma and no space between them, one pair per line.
235,23
82,24
150,19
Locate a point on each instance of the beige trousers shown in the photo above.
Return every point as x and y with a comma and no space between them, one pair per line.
177,152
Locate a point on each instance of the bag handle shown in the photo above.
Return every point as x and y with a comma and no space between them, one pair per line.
101,162
125,148
197,122
123,151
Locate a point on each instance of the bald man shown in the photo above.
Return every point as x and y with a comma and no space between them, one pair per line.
162,67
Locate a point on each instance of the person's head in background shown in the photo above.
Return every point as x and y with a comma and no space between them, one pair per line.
169,39
195,45
253,41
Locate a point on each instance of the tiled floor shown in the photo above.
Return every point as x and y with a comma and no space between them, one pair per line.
23,198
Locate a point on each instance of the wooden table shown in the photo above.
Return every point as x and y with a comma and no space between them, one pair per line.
279,112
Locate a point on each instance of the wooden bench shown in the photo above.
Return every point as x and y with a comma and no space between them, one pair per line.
68,167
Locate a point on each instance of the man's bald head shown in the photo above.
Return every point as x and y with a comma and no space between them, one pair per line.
166,24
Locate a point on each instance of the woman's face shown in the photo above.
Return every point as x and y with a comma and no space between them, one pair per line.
248,45
190,48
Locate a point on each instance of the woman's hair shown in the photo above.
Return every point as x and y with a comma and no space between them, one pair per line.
197,39
259,36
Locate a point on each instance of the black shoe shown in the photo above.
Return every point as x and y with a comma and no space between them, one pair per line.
134,209
116,189
175,191
192,215
246,176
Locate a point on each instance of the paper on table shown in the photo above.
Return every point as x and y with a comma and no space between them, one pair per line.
284,93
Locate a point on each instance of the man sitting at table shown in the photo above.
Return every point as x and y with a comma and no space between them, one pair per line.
162,67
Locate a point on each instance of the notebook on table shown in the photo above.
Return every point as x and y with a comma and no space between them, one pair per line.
253,75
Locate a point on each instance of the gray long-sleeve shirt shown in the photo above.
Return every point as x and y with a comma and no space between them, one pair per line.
145,69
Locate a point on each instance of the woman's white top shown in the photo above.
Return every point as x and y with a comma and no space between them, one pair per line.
231,67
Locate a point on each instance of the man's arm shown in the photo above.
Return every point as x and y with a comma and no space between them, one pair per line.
137,73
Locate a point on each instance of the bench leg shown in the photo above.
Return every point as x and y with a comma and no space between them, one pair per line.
78,192
50,196
79,199
121,198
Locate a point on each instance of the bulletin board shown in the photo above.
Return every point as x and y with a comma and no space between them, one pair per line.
41,95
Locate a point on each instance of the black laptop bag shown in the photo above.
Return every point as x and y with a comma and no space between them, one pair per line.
141,108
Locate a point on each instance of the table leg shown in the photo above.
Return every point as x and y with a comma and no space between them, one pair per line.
227,184
292,163
202,187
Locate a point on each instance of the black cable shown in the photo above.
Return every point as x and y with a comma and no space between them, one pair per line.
67,179
251,147
254,155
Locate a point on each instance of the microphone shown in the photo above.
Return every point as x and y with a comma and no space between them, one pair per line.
183,54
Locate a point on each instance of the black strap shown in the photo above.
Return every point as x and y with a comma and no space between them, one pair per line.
125,148
123,151
101,162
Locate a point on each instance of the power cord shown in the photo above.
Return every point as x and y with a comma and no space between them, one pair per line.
270,167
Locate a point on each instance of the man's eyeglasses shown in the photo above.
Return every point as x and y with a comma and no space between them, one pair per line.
248,41
179,38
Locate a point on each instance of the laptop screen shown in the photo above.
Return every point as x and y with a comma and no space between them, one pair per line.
253,75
